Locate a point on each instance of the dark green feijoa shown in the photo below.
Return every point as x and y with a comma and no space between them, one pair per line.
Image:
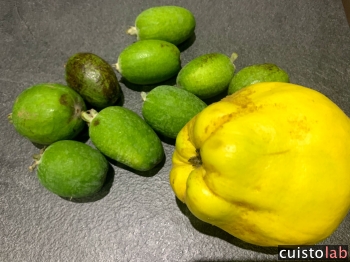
48,112
167,109
207,75
173,24
149,62
124,136
255,74
93,78
71,169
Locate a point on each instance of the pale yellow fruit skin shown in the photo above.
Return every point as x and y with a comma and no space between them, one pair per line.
275,165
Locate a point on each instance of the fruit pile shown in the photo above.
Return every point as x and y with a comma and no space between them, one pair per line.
253,163
52,115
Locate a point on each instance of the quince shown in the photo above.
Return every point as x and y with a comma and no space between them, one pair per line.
268,164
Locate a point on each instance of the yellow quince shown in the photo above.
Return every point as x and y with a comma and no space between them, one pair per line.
269,164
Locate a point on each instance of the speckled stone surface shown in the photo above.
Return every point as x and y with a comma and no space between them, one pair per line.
136,217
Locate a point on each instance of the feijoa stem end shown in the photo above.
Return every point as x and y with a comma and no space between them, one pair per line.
233,58
143,95
9,117
132,31
89,115
116,66
37,159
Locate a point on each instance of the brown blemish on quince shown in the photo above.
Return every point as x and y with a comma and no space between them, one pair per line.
299,128
243,99
279,152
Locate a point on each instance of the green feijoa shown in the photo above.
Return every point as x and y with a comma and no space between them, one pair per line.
93,78
149,62
167,109
124,136
71,169
173,24
207,75
48,112
255,74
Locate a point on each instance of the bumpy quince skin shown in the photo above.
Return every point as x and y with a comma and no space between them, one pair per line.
269,164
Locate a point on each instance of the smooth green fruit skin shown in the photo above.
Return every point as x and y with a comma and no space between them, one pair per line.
72,169
124,136
93,78
207,75
167,109
173,24
255,74
149,62
48,112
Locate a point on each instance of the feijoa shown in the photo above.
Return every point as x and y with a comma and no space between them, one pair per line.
48,112
93,78
207,75
255,74
167,109
149,62
124,136
173,24
71,169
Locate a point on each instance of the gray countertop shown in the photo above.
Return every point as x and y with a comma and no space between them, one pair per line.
136,217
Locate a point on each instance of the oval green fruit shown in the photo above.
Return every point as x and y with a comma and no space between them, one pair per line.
173,24
93,78
167,109
207,75
124,136
255,74
149,62
71,169
48,112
